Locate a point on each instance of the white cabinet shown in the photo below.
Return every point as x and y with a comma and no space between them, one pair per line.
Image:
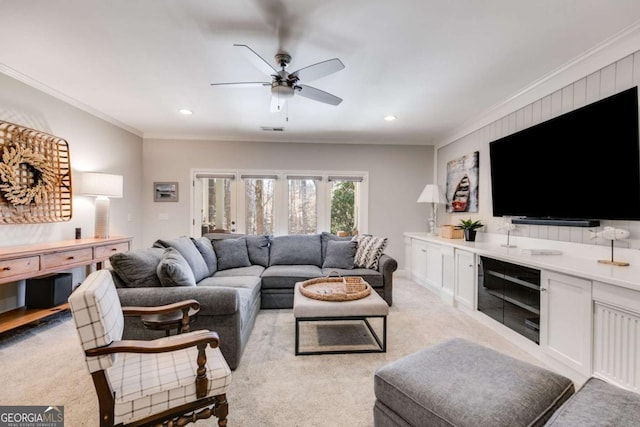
448,274
434,266
419,261
465,278
616,335
565,319
426,264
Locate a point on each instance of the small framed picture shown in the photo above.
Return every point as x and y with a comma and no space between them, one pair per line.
165,191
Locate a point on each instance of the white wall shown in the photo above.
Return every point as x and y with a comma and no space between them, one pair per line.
600,81
94,145
397,175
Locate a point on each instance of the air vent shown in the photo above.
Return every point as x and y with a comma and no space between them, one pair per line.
272,129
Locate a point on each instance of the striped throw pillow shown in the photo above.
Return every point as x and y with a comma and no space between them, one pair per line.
369,251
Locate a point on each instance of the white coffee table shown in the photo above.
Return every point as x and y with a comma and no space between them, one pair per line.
307,309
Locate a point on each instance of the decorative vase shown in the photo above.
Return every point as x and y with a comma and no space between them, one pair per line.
469,235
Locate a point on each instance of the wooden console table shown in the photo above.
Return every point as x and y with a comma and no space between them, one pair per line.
27,261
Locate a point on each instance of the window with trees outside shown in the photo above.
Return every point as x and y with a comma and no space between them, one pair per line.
279,202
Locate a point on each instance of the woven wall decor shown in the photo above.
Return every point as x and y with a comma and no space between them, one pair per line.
35,176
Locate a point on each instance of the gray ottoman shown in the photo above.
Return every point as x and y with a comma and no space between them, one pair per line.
598,404
459,383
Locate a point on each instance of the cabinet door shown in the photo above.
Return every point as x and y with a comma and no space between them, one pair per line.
419,261
465,278
566,319
448,273
434,266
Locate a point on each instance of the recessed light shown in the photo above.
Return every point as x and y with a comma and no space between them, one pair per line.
186,112
390,118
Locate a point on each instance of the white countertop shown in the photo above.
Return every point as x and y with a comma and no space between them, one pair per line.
576,259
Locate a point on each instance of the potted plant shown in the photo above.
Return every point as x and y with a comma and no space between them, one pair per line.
469,227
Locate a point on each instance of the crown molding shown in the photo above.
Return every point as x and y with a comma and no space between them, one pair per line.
5,69
622,44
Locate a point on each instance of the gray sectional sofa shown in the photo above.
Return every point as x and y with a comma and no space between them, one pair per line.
233,276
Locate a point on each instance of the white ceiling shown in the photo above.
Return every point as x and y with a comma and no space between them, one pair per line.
435,64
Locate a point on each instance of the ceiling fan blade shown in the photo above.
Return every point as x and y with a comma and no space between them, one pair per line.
318,70
277,104
317,95
247,84
259,62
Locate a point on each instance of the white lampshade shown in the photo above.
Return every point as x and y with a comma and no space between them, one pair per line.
431,194
100,184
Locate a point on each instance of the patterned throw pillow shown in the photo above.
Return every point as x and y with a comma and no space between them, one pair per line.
369,251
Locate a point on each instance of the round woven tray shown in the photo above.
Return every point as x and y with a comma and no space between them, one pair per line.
331,289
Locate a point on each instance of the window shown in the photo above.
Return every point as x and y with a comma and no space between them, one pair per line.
303,204
214,197
268,202
259,203
345,201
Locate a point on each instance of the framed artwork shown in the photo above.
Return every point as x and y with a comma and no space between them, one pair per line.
165,191
462,183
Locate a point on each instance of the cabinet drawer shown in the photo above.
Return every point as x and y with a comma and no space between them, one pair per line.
104,252
15,267
67,258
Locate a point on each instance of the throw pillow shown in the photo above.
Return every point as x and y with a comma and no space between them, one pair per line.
188,250
325,237
205,247
174,270
231,253
369,251
296,249
258,249
137,268
340,254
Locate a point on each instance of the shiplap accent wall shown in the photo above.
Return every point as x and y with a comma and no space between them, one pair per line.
616,77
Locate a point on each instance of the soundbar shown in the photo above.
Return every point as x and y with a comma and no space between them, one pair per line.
557,221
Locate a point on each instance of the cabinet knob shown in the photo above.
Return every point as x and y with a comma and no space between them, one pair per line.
543,289
5,269
423,250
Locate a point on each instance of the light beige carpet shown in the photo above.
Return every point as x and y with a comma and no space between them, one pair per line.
44,365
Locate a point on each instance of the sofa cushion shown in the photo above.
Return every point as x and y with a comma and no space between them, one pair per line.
188,250
231,253
205,247
240,282
286,276
137,268
258,249
598,403
174,270
327,237
296,249
253,270
369,251
339,254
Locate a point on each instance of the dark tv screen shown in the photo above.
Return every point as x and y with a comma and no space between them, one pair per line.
584,164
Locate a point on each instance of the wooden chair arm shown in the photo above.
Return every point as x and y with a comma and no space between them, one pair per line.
160,345
161,309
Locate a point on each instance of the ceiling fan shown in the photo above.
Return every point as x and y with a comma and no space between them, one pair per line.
284,84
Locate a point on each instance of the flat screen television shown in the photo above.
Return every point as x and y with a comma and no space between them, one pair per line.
581,165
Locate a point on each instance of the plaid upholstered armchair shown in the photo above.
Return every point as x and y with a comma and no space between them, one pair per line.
168,381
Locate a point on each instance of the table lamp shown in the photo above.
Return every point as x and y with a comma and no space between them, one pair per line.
103,186
432,194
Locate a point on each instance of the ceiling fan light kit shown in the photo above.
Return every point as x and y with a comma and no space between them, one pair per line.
285,85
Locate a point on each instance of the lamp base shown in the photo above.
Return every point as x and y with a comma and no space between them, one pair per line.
102,218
